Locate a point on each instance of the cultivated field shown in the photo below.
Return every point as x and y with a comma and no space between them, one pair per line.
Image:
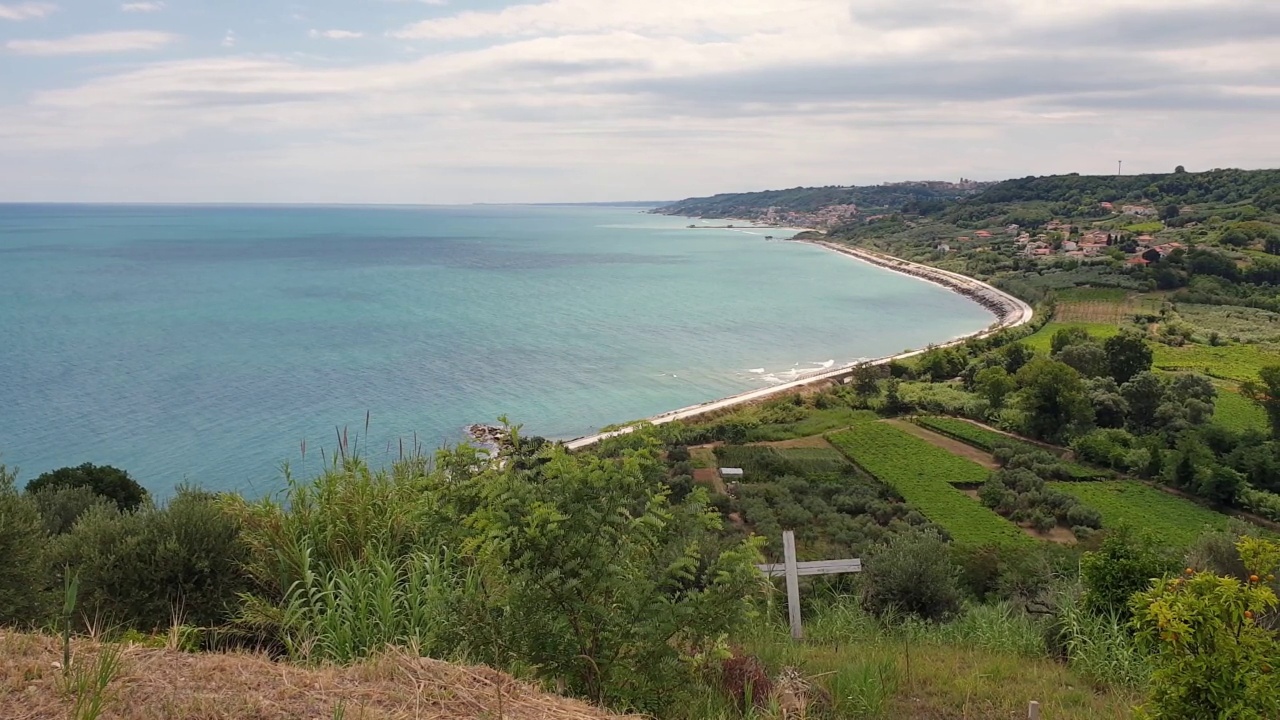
1126,502
924,476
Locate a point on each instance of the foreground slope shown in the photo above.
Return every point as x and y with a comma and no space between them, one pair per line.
156,683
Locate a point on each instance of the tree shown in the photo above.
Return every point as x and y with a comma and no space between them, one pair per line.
1265,392
1127,355
1170,211
866,379
1222,485
1067,337
1053,399
104,480
1016,355
1210,656
1144,394
1110,409
1179,170
1087,358
941,364
994,384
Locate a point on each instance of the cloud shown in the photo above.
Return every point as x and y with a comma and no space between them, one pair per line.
26,10
142,7
659,98
336,34
107,42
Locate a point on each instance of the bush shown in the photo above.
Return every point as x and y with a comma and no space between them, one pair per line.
21,539
137,569
61,507
913,573
1126,563
109,482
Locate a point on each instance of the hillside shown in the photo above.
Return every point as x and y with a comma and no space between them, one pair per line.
820,206
157,683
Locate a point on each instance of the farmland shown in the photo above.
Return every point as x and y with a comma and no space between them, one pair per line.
988,440
1041,339
1236,412
1173,519
1228,362
923,475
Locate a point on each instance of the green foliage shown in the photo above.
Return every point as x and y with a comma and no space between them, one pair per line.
994,384
1068,336
109,482
1053,400
61,507
1127,355
1021,495
1211,657
22,537
1125,503
943,398
1128,562
138,569
1265,393
912,574
923,475
1099,646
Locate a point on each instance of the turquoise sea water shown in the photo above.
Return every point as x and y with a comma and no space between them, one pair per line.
204,344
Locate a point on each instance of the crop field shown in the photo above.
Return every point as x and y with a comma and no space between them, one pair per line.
1102,306
988,440
1237,324
1228,362
814,422
1236,412
923,475
764,464
1170,518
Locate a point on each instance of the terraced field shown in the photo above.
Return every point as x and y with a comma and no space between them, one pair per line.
924,476
1239,413
988,440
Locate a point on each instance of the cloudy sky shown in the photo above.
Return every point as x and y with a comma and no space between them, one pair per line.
445,101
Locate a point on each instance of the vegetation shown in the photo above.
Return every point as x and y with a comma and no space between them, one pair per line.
103,480
925,477
1125,503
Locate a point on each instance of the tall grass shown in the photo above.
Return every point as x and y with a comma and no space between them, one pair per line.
1100,646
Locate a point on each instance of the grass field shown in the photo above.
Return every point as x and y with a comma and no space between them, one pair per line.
1171,518
1236,412
923,475
1145,227
1041,340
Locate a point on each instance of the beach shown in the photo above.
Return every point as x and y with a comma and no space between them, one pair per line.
1010,312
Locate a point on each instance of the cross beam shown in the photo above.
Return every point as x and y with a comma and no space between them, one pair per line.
793,570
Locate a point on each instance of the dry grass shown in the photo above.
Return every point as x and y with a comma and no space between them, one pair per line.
155,684
812,441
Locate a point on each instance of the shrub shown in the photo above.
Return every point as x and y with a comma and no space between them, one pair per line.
1211,658
61,507
104,480
913,573
137,569
21,539
1126,563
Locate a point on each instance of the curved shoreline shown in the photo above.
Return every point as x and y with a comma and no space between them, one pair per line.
1010,312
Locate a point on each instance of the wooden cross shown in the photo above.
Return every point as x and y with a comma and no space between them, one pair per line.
793,570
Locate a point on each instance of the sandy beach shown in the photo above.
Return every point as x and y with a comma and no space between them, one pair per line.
1009,311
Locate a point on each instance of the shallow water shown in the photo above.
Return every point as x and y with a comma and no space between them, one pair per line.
204,344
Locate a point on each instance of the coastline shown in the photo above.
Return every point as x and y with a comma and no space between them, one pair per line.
1010,312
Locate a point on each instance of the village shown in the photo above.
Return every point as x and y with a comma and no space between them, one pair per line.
1065,239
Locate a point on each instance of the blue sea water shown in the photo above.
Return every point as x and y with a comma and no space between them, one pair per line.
204,344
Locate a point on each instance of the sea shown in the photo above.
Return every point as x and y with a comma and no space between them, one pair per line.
212,344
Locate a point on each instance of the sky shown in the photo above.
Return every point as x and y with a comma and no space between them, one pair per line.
457,101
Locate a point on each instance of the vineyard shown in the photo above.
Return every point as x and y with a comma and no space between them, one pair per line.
1172,519
1231,410
1228,362
988,440
923,475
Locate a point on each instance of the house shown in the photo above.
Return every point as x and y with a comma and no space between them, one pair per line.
1107,206
943,247
1152,255
731,473
964,239
1145,239
1042,252
1139,210
1069,245
1138,260
982,234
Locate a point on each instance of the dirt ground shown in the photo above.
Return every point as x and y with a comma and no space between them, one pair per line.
813,441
